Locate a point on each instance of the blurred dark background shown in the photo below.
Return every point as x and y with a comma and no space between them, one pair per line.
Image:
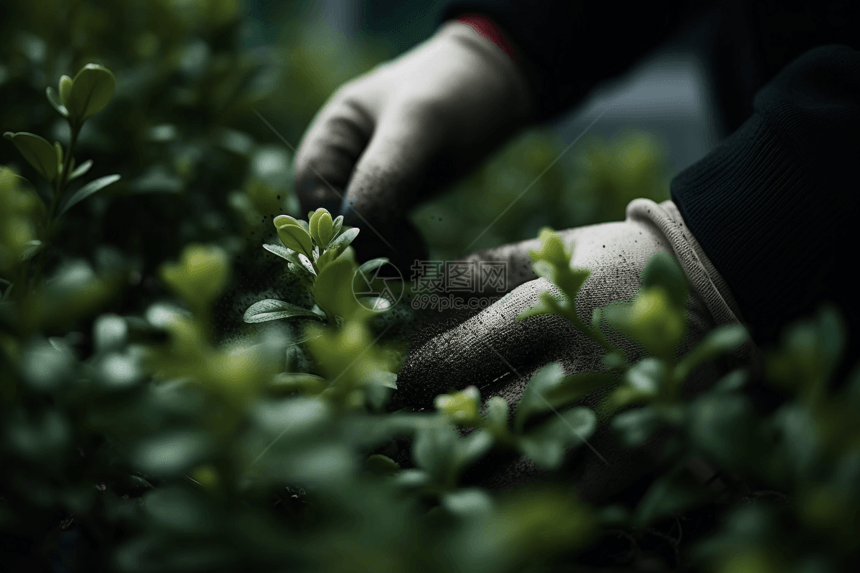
668,93
662,115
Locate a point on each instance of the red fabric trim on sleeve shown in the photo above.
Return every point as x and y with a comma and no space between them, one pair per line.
485,27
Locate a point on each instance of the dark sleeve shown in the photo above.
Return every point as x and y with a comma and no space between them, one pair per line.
775,204
570,47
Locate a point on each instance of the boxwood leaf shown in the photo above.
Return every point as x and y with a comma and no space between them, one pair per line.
336,226
271,309
172,452
56,102
33,247
473,446
533,397
651,319
433,449
82,169
320,227
298,264
282,252
572,388
382,465
92,89
467,502
725,428
37,151
547,304
410,479
497,412
718,341
372,265
343,240
332,289
547,443
65,86
388,379
294,235
287,382
39,211
634,426
732,381
324,259
87,190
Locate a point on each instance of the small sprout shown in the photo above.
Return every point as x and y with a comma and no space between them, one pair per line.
552,262
57,98
65,88
89,189
552,250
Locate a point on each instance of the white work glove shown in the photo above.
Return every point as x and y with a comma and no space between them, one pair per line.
481,350
406,129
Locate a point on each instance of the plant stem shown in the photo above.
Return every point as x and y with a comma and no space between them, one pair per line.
59,189
67,163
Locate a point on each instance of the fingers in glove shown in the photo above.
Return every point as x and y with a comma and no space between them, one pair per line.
330,148
491,344
475,269
389,177
489,349
494,271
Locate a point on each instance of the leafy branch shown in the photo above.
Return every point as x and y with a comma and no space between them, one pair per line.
77,100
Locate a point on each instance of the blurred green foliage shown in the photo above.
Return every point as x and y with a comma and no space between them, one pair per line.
535,181
139,432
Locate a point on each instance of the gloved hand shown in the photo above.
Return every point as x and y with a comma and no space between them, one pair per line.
498,355
407,128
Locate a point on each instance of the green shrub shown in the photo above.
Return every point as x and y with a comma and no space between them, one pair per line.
141,431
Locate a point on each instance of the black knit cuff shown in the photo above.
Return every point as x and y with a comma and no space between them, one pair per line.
772,205
762,220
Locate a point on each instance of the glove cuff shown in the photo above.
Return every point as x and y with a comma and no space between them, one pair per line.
489,30
703,275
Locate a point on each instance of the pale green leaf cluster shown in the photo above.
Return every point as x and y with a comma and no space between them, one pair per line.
318,253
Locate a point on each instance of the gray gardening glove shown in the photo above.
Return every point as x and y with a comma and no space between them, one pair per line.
488,349
405,129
